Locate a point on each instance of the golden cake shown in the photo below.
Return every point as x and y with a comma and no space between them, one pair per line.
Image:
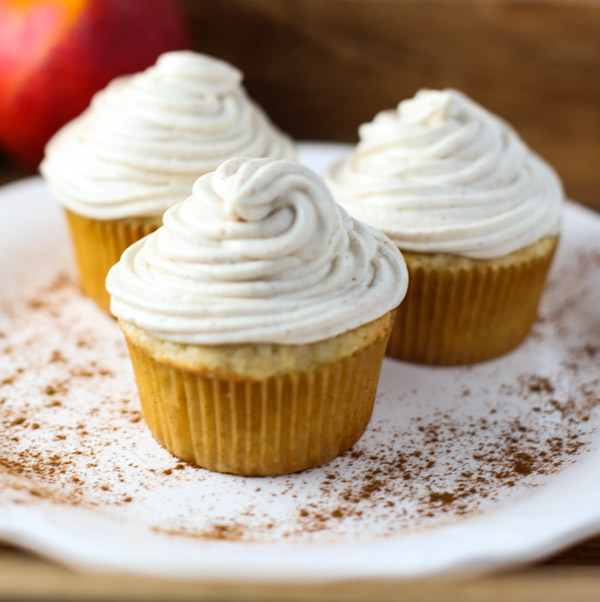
257,319
140,146
475,212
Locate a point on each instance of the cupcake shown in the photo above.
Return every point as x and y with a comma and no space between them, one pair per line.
475,213
141,145
257,319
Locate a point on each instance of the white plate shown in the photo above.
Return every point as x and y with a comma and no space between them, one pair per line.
461,469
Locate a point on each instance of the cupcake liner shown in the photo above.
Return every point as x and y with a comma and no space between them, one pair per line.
99,245
277,425
471,311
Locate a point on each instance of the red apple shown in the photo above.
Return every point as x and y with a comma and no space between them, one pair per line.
54,54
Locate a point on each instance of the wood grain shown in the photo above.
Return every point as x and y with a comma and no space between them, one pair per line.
321,68
37,580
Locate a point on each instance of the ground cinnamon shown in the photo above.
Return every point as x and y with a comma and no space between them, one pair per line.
74,435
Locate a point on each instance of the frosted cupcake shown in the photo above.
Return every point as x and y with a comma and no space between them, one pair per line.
140,146
257,319
475,213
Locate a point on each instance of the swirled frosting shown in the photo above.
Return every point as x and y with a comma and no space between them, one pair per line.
440,174
146,138
259,253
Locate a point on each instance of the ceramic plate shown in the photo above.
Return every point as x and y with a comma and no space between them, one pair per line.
461,469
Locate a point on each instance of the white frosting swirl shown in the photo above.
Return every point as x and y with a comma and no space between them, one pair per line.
146,138
260,253
442,175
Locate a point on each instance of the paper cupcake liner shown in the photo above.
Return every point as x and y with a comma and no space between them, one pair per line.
471,313
99,245
278,425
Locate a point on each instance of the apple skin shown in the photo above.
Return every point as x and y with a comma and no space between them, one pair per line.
55,54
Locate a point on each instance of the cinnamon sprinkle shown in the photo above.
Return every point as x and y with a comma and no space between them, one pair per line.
74,435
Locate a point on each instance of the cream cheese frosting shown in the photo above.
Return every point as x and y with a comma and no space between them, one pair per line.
440,174
146,138
259,253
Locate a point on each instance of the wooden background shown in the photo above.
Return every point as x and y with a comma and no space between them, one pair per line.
320,68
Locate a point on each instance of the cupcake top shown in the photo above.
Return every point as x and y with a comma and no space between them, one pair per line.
440,174
259,253
145,138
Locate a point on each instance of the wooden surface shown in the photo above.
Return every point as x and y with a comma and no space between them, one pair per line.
321,67
23,578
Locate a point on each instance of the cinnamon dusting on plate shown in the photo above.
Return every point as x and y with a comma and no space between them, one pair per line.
74,435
